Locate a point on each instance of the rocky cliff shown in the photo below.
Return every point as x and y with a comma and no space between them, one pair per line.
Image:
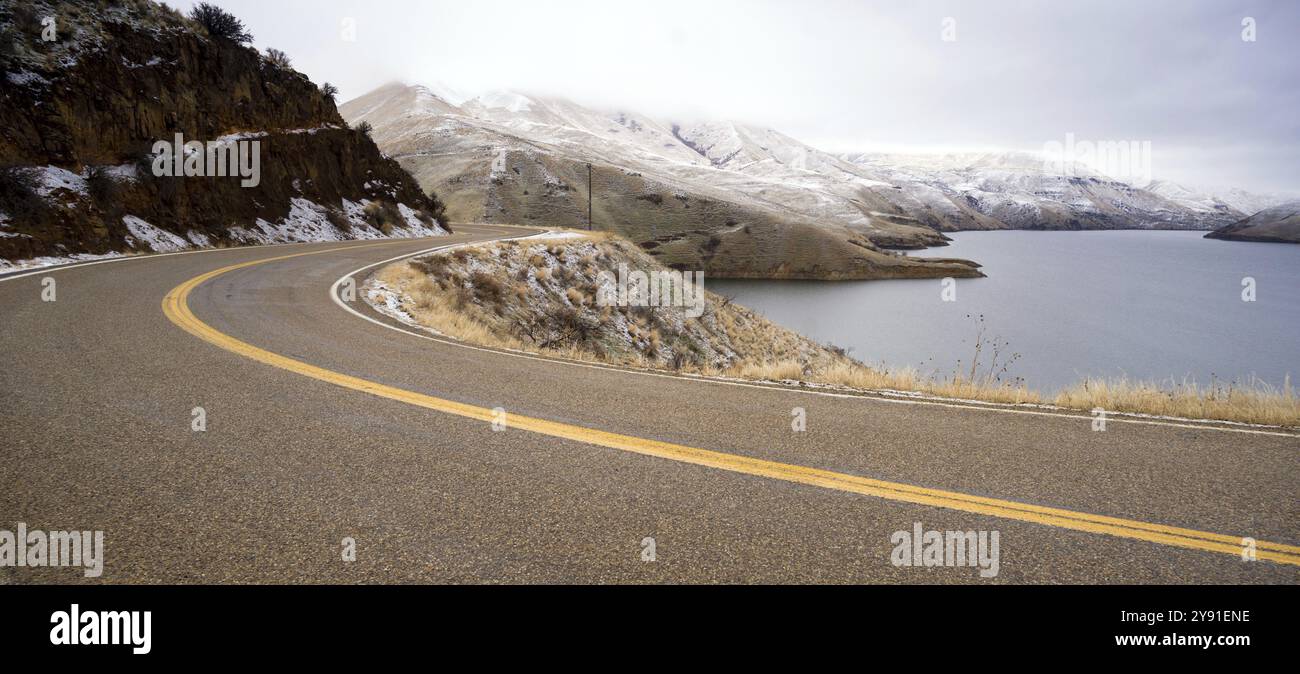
92,87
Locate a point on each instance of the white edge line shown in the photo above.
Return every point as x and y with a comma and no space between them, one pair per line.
334,295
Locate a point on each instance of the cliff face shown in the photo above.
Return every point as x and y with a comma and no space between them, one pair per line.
80,116
1280,224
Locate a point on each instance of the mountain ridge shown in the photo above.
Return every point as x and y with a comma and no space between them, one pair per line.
524,159
887,201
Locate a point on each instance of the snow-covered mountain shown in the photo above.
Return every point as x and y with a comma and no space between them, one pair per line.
675,186
1234,199
515,157
1025,190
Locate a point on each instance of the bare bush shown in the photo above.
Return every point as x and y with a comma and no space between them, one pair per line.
220,24
278,59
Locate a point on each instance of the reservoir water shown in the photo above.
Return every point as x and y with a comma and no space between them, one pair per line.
1155,306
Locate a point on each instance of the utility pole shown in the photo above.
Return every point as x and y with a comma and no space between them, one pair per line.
588,196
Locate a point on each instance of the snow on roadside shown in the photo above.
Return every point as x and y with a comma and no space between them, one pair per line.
388,301
306,222
147,237
309,221
198,238
415,227
42,262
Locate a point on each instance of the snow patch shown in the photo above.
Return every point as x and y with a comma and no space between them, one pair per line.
198,238
150,63
415,227
309,221
387,301
52,178
443,92
146,236
507,100
306,221
123,173
25,78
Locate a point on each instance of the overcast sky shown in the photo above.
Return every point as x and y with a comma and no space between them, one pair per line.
850,76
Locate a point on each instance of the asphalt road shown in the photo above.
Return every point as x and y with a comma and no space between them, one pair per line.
97,389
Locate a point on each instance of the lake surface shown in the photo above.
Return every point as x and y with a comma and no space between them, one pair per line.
1150,305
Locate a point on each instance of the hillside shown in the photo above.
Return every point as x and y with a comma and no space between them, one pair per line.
675,186
544,295
509,157
82,116
1280,224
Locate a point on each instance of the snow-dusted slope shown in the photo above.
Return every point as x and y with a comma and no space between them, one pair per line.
510,156
560,121
754,169
1237,200
1023,190
1279,224
519,156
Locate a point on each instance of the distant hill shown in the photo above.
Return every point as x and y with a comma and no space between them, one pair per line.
1022,190
1226,201
1279,224
80,116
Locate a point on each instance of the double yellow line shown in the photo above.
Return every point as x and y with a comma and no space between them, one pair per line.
176,307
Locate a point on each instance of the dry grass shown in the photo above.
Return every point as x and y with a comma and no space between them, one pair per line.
1255,402
427,298
854,375
435,308
778,371
576,298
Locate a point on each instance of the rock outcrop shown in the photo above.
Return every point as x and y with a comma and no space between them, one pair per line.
81,114
578,296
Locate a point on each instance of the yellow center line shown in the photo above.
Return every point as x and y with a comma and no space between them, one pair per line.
176,307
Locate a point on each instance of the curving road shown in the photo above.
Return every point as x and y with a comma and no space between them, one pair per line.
322,425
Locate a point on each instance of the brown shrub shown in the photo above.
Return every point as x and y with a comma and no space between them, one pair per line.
487,288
